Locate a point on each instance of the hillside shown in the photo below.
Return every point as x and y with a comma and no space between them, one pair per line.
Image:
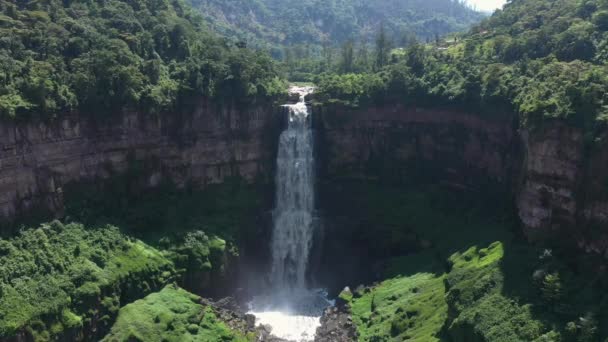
543,60
279,23
89,56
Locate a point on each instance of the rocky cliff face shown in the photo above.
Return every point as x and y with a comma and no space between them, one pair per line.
207,146
459,149
594,208
551,177
559,185
564,187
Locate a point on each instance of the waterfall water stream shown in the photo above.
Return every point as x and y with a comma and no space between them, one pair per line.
293,231
290,308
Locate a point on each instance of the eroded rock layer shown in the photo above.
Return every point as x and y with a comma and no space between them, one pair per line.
207,146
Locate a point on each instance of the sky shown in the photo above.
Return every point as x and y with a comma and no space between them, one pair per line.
487,5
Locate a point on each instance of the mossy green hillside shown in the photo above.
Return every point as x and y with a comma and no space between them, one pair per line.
456,272
58,278
200,228
172,314
482,307
471,302
405,308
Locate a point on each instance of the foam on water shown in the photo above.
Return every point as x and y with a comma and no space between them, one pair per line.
292,316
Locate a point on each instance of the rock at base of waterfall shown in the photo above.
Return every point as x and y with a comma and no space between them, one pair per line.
336,326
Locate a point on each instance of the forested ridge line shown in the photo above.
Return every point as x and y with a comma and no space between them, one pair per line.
542,60
105,56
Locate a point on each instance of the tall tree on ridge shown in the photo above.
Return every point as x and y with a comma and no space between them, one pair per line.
383,48
347,62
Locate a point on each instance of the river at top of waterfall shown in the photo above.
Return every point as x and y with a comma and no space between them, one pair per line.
291,309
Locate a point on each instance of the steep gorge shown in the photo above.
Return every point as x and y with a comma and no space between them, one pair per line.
537,171
542,169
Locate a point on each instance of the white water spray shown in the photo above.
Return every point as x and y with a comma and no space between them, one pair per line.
292,310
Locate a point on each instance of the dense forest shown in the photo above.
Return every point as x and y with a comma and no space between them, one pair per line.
542,59
305,28
105,56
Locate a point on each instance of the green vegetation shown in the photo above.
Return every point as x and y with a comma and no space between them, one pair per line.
58,278
171,315
199,228
305,29
409,308
103,57
446,279
543,60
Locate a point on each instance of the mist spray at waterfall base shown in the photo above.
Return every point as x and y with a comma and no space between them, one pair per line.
289,307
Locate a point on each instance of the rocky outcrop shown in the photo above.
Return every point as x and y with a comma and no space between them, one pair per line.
206,146
336,326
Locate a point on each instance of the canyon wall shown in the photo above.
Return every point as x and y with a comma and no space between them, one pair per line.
205,146
444,146
559,183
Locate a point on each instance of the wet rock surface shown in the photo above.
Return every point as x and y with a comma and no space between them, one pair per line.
232,314
337,325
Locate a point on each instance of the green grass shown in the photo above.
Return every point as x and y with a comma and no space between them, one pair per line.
469,303
428,226
172,314
456,272
404,308
481,307
54,277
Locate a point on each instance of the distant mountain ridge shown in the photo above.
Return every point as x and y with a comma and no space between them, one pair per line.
277,23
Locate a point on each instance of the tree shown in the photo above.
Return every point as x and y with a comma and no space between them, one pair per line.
600,19
409,39
347,61
363,59
551,288
383,48
328,56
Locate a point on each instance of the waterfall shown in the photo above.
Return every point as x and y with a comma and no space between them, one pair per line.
289,307
293,214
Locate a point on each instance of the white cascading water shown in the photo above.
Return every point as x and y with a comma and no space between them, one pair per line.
292,310
293,231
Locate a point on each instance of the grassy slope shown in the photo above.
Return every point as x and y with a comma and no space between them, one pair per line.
465,287
172,314
412,305
56,279
53,277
